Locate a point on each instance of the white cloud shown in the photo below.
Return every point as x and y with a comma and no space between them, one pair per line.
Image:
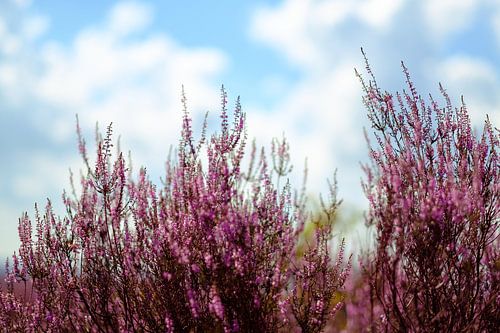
127,17
476,80
22,3
462,68
10,44
105,76
34,27
322,113
320,117
378,13
287,28
445,17
304,30
8,75
8,230
18,31
319,112
49,174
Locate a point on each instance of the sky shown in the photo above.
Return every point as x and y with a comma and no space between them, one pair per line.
291,62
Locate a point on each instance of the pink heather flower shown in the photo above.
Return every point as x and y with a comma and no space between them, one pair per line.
193,304
167,276
433,192
213,248
169,325
216,306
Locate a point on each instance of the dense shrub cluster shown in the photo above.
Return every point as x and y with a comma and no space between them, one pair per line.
220,248
214,249
433,187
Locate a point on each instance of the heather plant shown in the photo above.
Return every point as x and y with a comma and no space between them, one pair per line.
213,248
433,187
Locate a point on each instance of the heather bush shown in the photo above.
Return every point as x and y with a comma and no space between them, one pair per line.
433,187
213,248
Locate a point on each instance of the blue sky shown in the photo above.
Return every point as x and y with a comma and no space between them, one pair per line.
291,61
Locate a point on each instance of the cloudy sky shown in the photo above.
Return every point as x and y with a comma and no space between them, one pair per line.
291,61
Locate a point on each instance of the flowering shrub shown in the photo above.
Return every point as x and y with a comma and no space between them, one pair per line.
218,248
433,188
213,249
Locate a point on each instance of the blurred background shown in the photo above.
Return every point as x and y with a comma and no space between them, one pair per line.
291,61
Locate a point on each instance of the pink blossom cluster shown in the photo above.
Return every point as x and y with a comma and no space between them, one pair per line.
433,186
219,246
214,248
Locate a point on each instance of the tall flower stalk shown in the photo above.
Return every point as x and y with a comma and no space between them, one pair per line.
213,249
